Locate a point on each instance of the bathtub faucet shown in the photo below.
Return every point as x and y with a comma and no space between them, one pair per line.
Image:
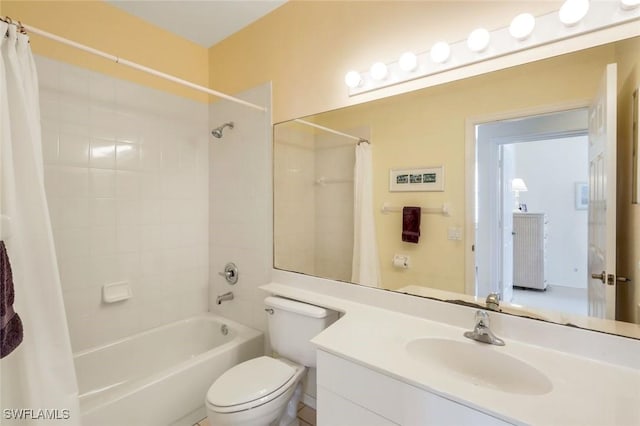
224,297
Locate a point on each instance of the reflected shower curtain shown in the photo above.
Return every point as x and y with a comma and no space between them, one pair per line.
365,268
39,374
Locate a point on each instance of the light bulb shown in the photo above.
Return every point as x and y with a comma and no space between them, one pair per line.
522,26
378,71
572,11
408,61
440,52
478,40
352,79
629,4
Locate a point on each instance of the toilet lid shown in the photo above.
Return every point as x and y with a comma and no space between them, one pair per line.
249,381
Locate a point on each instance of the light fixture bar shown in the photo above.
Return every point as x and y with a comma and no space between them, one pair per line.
548,29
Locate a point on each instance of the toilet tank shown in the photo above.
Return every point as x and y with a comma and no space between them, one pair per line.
293,324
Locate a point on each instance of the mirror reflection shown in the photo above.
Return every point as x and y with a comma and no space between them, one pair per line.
492,185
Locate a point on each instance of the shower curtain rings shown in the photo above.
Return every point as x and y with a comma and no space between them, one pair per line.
8,21
18,24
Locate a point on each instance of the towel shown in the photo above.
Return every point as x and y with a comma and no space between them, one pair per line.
411,224
10,323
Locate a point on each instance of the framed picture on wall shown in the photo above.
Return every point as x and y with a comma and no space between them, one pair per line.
419,179
581,195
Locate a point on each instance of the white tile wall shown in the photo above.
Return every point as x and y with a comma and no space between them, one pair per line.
294,197
240,206
334,160
126,174
314,222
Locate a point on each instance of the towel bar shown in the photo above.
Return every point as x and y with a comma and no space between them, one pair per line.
443,210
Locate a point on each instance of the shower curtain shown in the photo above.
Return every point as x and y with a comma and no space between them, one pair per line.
38,383
365,268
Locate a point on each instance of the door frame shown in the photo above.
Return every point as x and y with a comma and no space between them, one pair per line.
470,173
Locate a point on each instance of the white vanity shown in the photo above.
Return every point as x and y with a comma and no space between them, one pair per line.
389,366
351,394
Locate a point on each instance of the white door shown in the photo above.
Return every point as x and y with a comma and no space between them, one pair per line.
508,204
602,198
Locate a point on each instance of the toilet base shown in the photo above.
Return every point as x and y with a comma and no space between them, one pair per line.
290,415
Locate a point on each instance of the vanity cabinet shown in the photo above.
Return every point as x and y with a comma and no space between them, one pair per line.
351,394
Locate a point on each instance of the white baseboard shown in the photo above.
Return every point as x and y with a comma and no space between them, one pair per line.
309,401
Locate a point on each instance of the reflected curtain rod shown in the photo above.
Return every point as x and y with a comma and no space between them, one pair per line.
130,64
335,132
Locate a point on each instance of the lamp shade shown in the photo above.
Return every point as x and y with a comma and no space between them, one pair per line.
518,184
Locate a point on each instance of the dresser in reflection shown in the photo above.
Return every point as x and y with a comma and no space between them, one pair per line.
529,250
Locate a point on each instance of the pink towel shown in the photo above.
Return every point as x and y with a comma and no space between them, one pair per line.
411,224
10,323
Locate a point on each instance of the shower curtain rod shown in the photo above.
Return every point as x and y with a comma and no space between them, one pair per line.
131,64
335,132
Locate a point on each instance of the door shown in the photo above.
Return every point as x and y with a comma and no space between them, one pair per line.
602,198
506,221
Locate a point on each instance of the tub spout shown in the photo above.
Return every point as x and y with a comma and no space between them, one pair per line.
224,297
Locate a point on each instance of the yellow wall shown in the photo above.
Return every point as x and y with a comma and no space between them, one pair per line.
306,47
628,236
427,128
99,25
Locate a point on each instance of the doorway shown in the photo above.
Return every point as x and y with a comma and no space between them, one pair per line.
531,226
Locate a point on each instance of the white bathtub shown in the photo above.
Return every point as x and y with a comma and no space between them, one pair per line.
160,376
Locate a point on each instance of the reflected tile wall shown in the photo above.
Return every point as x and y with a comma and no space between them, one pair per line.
126,176
335,161
294,198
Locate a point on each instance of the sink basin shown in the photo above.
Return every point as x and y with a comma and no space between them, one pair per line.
480,364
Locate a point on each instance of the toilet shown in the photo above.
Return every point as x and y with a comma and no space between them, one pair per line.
266,390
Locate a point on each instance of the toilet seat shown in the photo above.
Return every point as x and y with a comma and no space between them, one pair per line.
251,384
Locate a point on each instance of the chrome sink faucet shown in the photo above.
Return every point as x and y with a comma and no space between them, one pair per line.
481,332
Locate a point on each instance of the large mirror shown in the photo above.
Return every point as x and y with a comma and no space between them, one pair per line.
501,168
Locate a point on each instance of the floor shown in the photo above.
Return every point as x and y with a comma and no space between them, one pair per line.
556,298
306,416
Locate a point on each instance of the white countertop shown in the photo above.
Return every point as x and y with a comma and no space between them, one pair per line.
585,391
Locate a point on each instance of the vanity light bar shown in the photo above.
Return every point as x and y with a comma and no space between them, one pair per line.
576,17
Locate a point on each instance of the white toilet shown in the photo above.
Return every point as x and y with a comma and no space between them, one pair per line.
265,390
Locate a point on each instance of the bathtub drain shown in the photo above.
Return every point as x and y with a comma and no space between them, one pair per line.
224,329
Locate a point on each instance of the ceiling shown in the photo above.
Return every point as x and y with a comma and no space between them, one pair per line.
205,22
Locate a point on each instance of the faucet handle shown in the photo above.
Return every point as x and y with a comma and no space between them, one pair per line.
494,296
230,273
482,318
493,301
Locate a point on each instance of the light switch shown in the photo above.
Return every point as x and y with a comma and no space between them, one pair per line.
454,233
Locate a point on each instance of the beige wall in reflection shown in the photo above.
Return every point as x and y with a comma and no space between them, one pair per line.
427,128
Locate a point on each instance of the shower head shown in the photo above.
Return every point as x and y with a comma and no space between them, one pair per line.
217,132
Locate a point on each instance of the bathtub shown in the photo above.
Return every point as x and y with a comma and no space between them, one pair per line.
161,376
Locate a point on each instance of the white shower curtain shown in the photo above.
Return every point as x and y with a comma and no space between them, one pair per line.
39,374
365,268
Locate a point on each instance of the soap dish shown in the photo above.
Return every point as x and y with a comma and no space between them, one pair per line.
116,292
